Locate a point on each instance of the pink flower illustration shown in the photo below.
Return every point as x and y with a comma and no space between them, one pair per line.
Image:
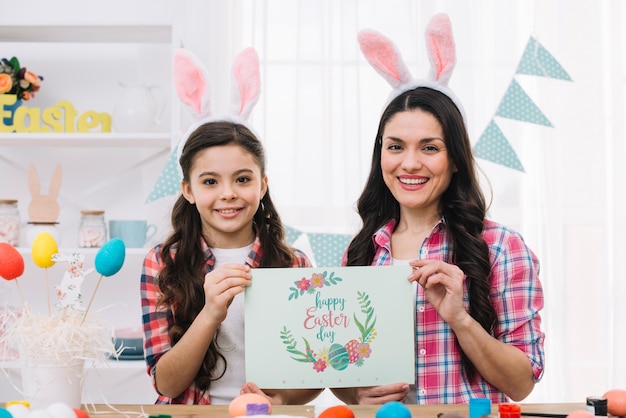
304,284
317,280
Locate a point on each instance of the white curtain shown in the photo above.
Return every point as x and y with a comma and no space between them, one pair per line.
319,113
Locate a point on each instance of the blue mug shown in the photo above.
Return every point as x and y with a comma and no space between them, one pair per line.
134,233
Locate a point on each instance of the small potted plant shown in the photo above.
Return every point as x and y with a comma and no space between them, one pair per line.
17,80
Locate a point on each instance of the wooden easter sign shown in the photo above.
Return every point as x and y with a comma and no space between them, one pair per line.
62,117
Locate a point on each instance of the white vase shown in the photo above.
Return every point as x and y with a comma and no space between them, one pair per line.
139,108
44,385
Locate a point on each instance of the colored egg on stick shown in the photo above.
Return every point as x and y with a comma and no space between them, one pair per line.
110,258
43,248
11,262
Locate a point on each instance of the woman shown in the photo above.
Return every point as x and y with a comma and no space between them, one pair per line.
477,304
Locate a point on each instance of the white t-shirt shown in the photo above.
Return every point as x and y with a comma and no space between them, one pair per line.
231,336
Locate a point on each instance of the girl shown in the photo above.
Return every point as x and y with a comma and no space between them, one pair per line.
223,225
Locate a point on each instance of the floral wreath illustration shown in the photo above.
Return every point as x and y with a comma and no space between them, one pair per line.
338,356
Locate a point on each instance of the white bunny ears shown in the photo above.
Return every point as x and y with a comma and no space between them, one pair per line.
193,87
383,55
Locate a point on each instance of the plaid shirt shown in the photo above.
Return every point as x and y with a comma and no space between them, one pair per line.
157,321
516,294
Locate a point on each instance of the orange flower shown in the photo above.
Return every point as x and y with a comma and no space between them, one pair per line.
6,83
32,78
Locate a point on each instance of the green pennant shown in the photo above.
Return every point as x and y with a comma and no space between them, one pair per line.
493,146
536,60
168,182
518,106
291,235
328,249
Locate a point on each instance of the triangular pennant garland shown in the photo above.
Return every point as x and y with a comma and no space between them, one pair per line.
328,249
538,61
517,105
168,182
493,146
291,235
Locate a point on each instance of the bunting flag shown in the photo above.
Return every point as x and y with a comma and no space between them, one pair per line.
537,61
291,235
168,182
518,106
492,145
328,249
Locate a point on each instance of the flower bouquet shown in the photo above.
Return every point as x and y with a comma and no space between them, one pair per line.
53,347
15,79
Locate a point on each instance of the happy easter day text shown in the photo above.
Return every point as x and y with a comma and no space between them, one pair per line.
331,316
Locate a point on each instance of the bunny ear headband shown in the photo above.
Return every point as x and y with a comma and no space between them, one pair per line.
192,84
384,56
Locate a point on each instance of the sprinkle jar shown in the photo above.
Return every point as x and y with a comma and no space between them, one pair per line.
9,222
92,231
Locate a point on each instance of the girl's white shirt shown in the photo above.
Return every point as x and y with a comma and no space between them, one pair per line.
231,339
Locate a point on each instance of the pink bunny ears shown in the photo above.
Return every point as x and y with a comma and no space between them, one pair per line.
383,55
193,87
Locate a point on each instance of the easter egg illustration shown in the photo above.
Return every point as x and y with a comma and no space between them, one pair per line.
338,357
110,258
44,246
11,262
353,350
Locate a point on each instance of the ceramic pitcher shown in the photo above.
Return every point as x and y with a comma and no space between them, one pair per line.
139,108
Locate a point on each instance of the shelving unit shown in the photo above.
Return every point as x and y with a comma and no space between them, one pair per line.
115,172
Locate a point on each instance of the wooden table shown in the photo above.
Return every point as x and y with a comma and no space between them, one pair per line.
360,411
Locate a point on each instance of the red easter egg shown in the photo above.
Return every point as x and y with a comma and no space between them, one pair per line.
11,262
616,402
80,413
338,411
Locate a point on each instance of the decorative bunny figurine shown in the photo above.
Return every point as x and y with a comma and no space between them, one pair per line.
44,208
192,84
384,56
68,292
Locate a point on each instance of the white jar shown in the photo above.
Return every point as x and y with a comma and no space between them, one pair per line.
92,231
9,222
35,228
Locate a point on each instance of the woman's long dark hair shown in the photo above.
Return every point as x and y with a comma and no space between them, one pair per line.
462,204
182,278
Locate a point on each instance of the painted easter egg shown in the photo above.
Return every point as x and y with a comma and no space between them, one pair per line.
110,258
352,347
580,413
616,402
11,262
44,246
338,357
61,410
337,411
241,404
393,410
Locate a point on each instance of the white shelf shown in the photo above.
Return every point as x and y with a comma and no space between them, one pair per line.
83,34
86,140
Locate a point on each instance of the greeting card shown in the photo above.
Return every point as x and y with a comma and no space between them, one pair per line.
330,327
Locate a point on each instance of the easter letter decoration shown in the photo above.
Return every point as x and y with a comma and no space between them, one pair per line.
336,327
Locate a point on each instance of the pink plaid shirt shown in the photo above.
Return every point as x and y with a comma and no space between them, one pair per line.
157,322
516,294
